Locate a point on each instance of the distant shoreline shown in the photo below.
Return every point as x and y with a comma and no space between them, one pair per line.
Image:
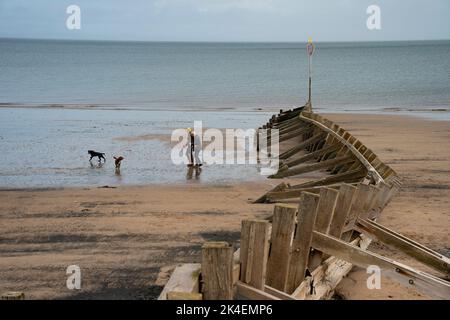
225,42
421,112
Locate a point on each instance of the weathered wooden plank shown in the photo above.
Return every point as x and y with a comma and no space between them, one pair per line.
246,292
343,205
254,252
175,295
302,145
279,187
325,278
295,193
217,271
408,246
361,197
293,126
405,275
341,177
377,203
301,242
325,208
370,201
324,214
311,156
316,120
312,167
293,134
283,224
185,278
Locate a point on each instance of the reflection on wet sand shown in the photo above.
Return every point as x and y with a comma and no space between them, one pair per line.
97,166
193,173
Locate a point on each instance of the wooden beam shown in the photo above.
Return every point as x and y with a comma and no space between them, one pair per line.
344,203
279,187
302,145
324,214
325,278
404,274
311,156
293,126
312,167
361,197
293,134
378,198
301,242
185,278
175,295
254,252
341,177
408,246
217,271
246,292
283,224
316,120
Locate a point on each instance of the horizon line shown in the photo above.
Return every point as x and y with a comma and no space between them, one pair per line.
226,41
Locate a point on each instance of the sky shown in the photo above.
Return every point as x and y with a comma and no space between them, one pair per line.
226,20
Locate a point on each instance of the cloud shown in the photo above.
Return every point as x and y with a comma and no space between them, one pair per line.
226,20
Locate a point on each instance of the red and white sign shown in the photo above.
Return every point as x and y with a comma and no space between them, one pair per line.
310,48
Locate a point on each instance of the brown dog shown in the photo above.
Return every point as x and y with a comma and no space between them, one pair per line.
117,161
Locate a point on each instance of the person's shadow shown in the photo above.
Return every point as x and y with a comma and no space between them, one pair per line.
193,173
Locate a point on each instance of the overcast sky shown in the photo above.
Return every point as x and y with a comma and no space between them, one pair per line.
226,20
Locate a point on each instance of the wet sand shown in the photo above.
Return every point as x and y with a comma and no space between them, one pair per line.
121,237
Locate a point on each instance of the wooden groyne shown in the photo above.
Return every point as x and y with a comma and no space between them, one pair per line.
307,246
310,143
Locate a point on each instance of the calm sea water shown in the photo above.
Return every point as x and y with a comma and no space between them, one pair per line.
347,76
140,90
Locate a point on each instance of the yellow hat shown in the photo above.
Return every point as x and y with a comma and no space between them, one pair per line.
189,130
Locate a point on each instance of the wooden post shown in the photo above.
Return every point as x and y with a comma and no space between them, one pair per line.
301,242
254,252
217,271
343,206
283,224
325,210
361,197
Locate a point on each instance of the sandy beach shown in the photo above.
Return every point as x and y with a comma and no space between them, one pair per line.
121,237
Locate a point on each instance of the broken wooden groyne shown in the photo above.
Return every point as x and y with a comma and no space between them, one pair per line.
307,246
319,144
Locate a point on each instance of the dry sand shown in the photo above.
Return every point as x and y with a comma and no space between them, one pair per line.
121,237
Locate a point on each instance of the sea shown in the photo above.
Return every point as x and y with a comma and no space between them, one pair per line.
60,98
